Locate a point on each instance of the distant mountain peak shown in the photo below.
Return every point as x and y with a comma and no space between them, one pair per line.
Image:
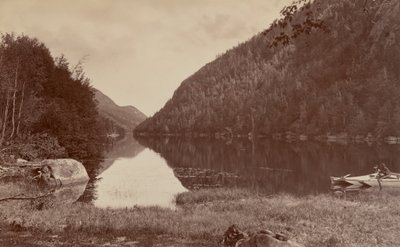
128,117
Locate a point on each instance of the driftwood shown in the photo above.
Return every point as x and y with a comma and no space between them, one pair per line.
4,169
25,197
7,172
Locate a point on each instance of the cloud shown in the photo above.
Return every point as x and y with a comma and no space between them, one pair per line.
139,51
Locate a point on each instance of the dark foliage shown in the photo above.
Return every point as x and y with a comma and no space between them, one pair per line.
43,100
297,19
342,81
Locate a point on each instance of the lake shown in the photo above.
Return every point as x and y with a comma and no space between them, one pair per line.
151,171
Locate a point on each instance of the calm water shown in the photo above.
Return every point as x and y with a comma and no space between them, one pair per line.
144,180
151,171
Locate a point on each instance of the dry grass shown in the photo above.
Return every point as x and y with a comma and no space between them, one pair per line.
363,220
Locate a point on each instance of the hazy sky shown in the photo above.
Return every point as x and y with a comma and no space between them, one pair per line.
139,51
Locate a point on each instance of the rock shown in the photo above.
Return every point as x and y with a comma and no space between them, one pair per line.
338,193
234,237
121,239
63,171
65,227
25,235
132,243
21,161
265,240
17,226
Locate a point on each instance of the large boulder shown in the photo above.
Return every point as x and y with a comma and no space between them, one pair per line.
62,172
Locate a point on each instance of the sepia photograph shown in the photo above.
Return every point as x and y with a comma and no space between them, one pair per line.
199,123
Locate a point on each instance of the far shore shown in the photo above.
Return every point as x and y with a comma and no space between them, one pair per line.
284,136
201,217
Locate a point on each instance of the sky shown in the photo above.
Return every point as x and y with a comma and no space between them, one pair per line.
138,52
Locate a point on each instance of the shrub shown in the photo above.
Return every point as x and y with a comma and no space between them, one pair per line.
37,146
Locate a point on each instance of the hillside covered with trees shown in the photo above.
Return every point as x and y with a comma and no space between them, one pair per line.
47,107
332,67
125,118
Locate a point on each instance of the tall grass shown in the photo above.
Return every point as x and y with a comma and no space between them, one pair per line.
322,220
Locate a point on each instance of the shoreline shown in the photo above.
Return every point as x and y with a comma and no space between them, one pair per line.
202,217
286,136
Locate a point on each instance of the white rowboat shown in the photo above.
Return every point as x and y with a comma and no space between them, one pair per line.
366,181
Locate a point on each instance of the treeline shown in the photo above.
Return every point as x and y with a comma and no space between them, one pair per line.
47,107
343,79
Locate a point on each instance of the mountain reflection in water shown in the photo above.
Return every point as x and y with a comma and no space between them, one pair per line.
268,166
143,181
41,197
132,175
151,171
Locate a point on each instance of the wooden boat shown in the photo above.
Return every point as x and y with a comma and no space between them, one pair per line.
366,181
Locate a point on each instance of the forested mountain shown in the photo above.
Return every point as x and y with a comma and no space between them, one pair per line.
128,117
340,79
47,107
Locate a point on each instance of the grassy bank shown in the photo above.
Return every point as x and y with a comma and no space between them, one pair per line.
203,216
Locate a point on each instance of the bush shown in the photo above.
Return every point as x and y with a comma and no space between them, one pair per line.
37,146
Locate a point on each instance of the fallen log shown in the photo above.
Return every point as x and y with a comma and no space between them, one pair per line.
25,198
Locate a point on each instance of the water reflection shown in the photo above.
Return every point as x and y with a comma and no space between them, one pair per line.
122,148
268,166
143,181
125,148
132,175
40,197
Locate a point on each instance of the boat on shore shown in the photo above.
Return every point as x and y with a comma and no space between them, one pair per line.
348,182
